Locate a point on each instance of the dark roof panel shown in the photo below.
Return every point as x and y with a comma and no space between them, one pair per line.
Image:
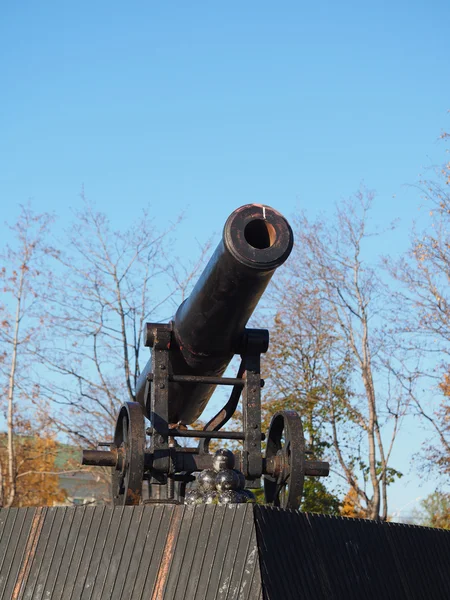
317,557
151,552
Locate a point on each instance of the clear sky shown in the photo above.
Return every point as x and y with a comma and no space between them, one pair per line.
202,107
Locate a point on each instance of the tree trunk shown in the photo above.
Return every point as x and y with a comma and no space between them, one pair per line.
1,485
11,385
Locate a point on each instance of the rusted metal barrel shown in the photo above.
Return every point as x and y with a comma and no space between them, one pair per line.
208,327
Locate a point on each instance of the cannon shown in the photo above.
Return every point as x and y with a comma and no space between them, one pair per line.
188,360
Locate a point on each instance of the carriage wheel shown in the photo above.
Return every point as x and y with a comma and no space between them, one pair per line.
285,453
129,440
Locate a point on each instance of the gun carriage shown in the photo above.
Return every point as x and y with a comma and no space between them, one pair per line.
189,356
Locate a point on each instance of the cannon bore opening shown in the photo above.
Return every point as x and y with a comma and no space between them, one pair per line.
259,234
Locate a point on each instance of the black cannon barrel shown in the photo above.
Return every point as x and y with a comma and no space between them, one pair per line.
209,325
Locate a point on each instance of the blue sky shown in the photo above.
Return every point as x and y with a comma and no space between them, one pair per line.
201,107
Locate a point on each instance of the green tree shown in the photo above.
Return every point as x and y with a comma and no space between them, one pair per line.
318,499
435,510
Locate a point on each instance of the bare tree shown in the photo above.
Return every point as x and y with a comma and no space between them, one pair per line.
424,314
337,350
111,283
24,268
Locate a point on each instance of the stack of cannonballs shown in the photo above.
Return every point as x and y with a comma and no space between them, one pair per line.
220,485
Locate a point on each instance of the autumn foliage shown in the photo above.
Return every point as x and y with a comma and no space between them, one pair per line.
36,475
351,506
440,454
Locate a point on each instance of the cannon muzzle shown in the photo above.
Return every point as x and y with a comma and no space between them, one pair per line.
209,326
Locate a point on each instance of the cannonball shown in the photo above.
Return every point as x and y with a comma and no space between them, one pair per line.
211,497
231,497
207,480
223,459
249,495
241,479
193,497
227,480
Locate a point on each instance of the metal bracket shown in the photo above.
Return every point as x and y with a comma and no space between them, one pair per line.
256,343
159,398
251,413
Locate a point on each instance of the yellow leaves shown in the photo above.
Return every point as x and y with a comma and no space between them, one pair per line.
351,506
445,385
37,478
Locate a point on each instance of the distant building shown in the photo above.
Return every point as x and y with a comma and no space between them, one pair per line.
82,486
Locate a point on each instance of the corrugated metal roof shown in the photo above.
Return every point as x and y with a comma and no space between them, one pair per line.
149,552
315,557
239,552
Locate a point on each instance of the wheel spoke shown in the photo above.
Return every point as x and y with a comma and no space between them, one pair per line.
125,431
